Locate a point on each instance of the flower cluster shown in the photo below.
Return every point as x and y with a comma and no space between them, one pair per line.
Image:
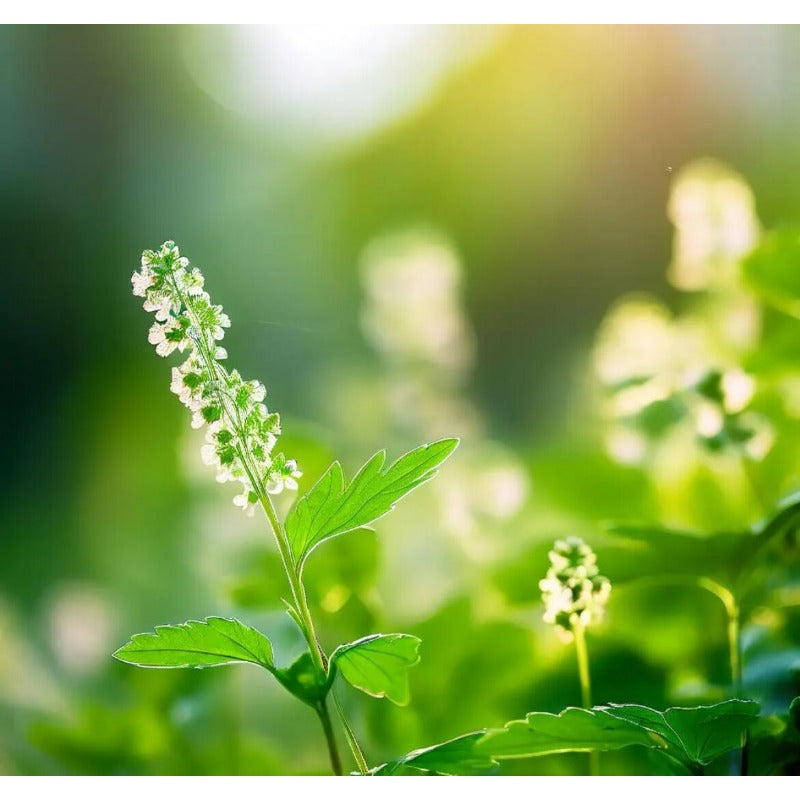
574,593
241,433
664,376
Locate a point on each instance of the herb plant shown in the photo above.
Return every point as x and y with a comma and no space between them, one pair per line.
241,436
700,405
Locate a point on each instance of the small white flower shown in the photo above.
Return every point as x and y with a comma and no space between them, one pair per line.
141,281
162,304
208,455
290,480
194,282
259,392
275,484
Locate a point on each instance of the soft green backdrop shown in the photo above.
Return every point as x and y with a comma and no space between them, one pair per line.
530,168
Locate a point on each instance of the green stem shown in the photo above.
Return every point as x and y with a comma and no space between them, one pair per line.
582,652
307,626
284,548
358,754
734,650
295,582
728,600
735,655
333,752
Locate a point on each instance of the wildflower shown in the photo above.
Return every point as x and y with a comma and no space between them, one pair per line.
573,591
241,433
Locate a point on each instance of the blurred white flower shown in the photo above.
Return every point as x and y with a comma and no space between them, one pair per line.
573,591
713,211
413,306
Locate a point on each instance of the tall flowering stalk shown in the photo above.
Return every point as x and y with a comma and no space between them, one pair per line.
241,435
575,595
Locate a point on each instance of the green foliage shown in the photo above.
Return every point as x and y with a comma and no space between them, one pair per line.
210,643
379,664
574,729
304,680
693,736
725,556
331,508
670,381
458,756
772,268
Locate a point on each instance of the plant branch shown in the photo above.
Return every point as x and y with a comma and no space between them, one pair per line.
330,738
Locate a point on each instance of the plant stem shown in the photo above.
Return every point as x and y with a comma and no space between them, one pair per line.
582,652
295,583
363,767
734,652
284,547
734,649
307,626
728,600
333,752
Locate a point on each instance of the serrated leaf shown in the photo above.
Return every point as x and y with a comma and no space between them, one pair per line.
694,736
303,680
211,643
573,730
331,508
379,664
455,757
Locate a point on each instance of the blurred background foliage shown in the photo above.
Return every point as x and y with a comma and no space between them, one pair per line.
416,232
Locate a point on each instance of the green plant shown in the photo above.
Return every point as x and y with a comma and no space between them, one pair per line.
697,424
241,435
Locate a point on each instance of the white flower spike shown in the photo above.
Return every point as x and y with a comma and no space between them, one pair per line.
241,432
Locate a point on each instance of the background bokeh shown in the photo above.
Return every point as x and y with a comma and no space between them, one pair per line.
416,232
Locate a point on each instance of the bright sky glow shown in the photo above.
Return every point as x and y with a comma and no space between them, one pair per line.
327,83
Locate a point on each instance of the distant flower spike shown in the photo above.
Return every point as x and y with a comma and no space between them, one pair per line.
573,591
241,432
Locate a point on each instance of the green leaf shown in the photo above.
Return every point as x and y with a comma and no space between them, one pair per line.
210,643
694,736
303,680
573,730
455,757
331,509
379,664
